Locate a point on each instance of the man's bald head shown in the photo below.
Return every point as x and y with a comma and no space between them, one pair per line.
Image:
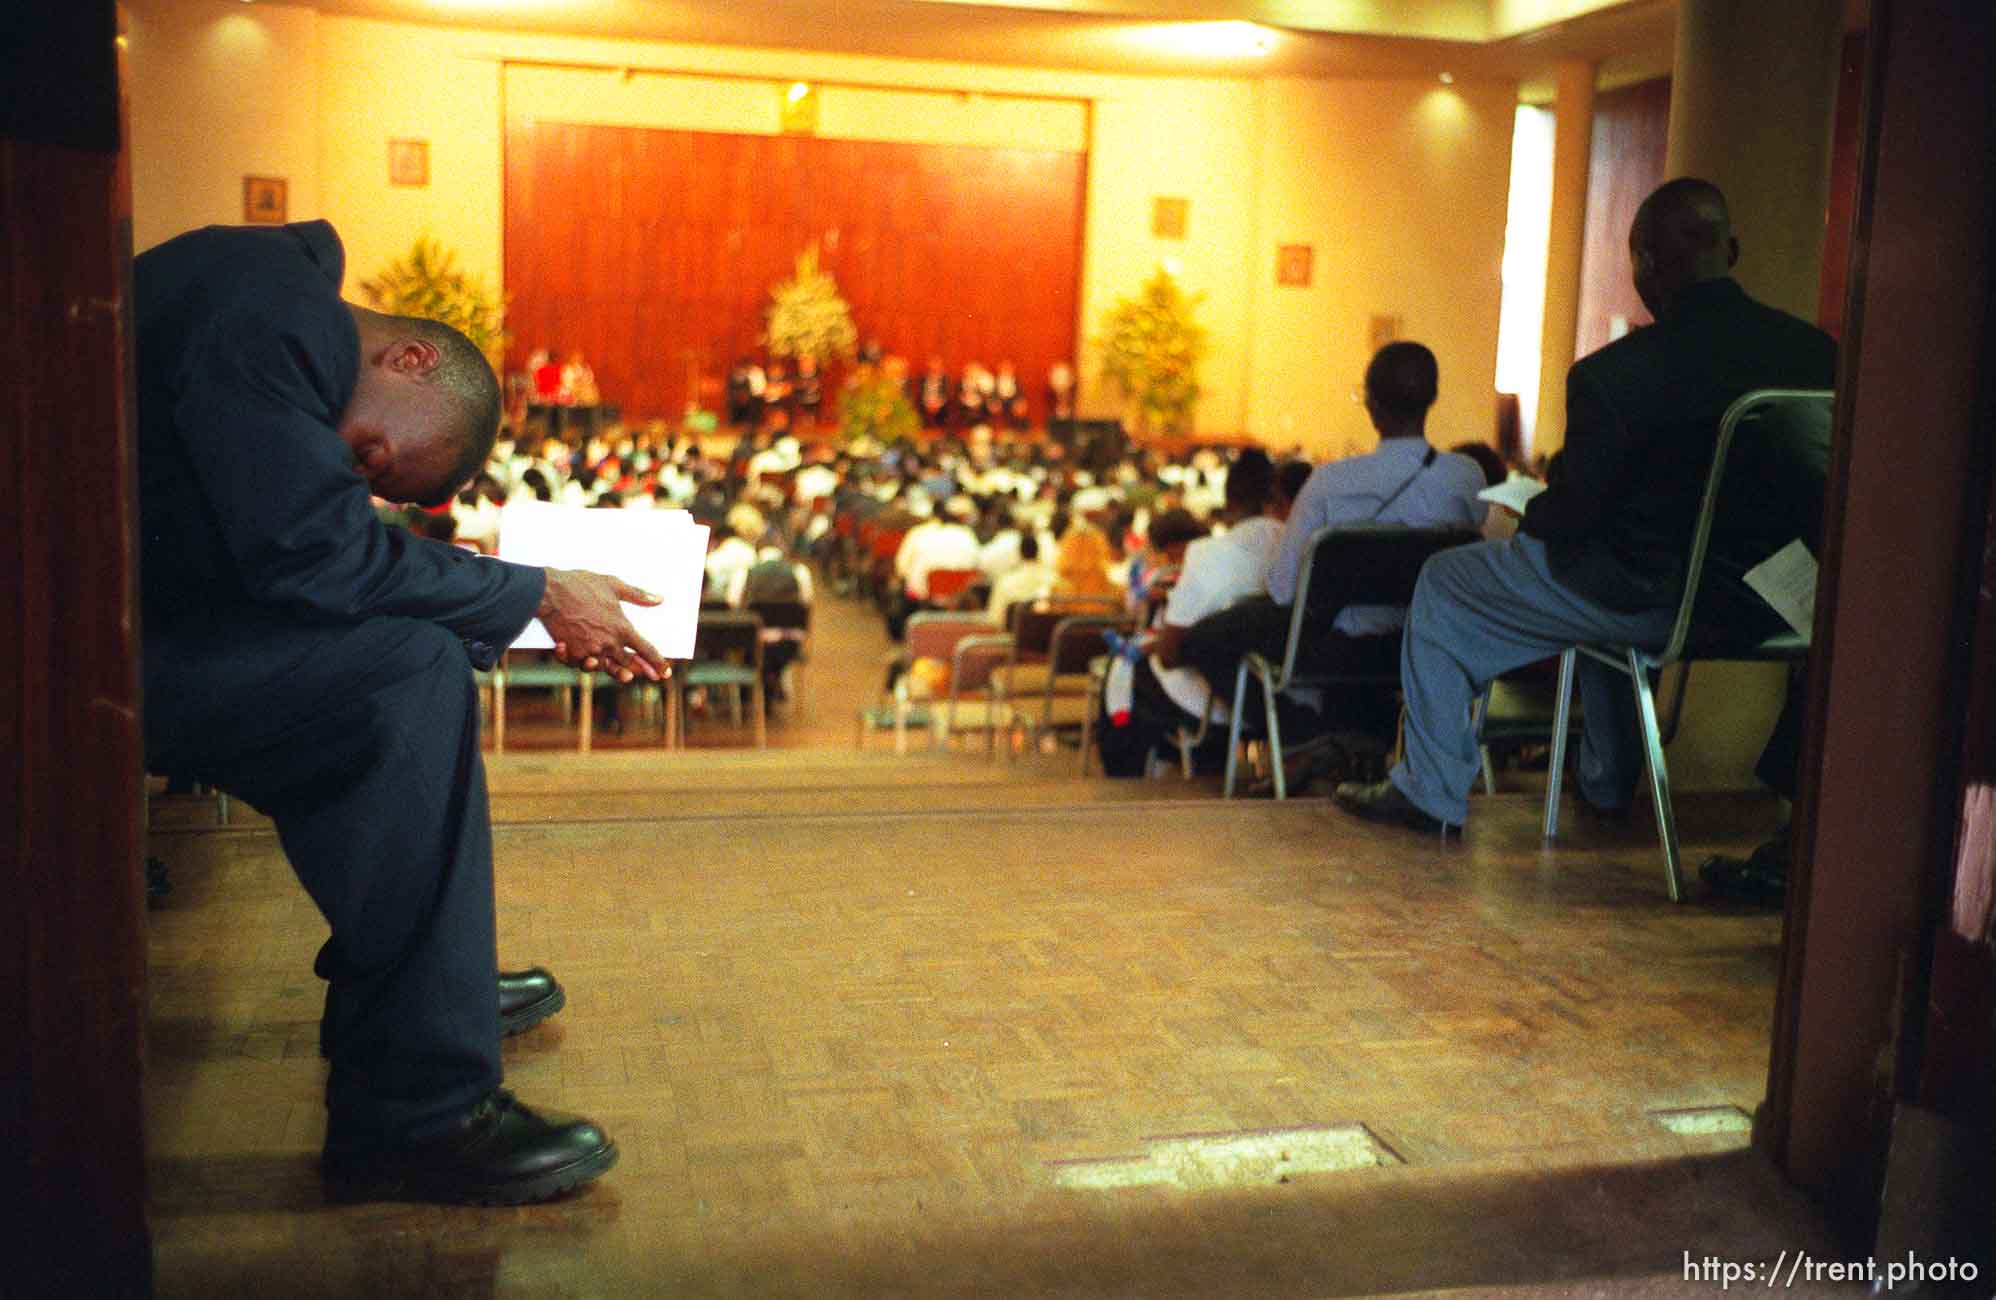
423,418
1682,234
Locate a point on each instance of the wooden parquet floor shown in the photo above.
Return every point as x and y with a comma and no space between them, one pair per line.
850,1018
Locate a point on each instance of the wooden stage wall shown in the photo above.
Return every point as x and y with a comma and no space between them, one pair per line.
651,250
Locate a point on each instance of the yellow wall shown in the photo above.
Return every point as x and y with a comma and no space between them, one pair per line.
1370,172
230,94
1400,187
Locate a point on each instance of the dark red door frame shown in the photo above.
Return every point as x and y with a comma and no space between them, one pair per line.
1909,494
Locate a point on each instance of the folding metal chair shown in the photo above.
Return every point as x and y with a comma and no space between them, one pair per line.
1351,564
1790,432
727,657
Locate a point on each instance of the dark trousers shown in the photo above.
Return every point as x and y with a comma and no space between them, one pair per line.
1216,644
1154,718
361,742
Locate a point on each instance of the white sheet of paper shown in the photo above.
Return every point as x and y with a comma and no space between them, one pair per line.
1787,581
1513,493
662,551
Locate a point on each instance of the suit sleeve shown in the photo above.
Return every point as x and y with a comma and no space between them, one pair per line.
254,413
1589,472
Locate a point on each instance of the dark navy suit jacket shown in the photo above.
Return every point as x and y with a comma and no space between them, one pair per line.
251,508
1642,419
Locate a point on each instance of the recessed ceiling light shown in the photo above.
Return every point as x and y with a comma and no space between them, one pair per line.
1229,39
798,90
1448,78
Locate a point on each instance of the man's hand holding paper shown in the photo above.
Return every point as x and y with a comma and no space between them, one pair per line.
583,612
623,587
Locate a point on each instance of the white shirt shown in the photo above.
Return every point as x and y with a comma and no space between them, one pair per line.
477,523
814,481
1218,572
1029,581
731,556
1000,555
937,544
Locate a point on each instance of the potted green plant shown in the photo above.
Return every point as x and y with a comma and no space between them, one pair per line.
1151,348
807,317
875,409
428,284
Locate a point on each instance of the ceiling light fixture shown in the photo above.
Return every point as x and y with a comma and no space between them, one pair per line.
1229,39
1448,78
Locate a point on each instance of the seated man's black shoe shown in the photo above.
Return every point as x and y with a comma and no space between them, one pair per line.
526,998
1382,801
1759,880
498,1153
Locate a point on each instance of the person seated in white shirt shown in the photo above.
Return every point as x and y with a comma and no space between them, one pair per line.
1215,573
944,541
1029,580
731,549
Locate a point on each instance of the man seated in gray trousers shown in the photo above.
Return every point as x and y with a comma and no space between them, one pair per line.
1600,554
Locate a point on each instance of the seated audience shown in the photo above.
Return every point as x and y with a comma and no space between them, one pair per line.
1404,481
775,578
944,541
731,549
1600,555
1214,574
1027,581
1083,562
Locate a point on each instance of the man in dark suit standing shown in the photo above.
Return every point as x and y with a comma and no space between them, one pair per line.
301,655
1600,554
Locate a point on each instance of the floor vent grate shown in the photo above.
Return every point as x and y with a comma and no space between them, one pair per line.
1256,1158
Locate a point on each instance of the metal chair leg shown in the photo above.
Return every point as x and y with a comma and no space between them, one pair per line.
1476,708
1659,777
588,713
760,703
1561,721
1234,730
1088,728
1274,739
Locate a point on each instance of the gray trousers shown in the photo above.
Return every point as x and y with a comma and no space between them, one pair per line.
1483,610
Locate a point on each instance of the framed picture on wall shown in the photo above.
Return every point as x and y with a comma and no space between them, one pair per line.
1167,217
408,162
1292,265
264,200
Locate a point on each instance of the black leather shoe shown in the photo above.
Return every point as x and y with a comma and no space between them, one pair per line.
1759,880
526,998
498,1153
1382,802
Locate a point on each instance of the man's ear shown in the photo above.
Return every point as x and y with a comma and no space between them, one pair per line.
411,356
1732,251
